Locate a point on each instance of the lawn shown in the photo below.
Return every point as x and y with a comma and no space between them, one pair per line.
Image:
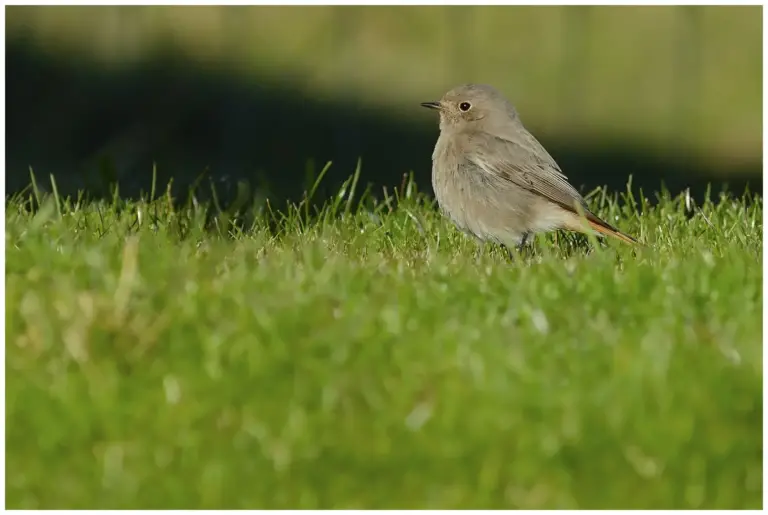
368,355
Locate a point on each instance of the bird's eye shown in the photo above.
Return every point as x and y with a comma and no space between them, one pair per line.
465,106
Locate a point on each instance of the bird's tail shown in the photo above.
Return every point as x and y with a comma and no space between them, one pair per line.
576,223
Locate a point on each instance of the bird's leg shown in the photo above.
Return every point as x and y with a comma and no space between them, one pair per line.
523,241
520,248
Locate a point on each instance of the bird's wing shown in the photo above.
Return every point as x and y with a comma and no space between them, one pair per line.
524,162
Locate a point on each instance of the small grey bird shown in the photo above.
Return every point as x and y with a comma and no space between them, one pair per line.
494,180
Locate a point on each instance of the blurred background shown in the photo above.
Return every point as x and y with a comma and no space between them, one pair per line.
268,94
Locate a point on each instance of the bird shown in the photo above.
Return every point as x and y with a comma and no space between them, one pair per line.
495,181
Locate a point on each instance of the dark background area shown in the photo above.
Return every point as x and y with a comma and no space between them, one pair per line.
91,123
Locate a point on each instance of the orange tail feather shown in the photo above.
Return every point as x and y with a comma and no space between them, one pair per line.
612,231
576,223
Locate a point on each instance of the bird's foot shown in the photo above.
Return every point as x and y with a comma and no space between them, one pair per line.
524,242
522,249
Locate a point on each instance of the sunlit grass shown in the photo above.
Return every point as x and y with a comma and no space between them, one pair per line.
164,353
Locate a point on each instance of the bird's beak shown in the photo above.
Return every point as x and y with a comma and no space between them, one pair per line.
432,105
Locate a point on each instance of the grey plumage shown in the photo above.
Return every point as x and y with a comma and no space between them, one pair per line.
494,180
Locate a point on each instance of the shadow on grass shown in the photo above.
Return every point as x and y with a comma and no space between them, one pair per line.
91,127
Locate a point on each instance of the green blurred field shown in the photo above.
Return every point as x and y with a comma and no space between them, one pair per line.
373,357
685,80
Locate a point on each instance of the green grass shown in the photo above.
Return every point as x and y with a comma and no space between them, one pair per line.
370,356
